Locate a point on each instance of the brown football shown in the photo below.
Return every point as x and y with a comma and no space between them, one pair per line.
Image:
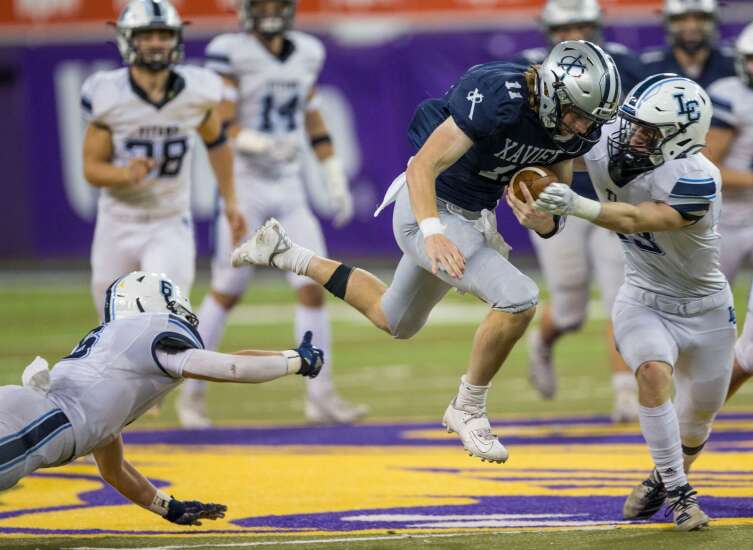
536,178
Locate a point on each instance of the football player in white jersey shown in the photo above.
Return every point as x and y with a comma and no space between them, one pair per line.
582,253
270,106
142,121
147,346
674,315
730,146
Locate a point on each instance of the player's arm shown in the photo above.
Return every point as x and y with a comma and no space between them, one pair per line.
446,144
99,170
247,366
718,143
622,217
221,158
133,485
340,197
564,169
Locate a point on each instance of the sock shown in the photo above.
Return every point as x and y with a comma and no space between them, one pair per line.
316,319
470,397
661,430
624,382
212,318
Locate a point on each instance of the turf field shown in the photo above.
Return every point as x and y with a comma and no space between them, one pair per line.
397,481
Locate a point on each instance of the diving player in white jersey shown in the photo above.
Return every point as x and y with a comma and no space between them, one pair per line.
582,253
147,345
271,109
142,121
674,315
730,146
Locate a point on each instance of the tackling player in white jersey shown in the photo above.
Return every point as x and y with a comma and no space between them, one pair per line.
142,125
673,316
730,146
147,346
271,109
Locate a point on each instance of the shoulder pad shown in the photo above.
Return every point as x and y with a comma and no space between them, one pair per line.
202,83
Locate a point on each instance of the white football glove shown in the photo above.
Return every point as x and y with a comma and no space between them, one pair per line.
558,199
278,149
340,198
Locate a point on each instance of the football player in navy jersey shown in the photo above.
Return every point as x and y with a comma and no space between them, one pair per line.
583,253
692,33
497,118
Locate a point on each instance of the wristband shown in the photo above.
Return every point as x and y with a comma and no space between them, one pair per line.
160,504
586,208
294,361
431,226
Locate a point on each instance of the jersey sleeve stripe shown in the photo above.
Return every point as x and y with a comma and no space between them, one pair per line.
685,189
719,103
173,337
717,122
217,57
691,212
189,329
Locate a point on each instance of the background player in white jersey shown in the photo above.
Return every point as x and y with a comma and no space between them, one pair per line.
271,108
147,346
673,316
582,252
142,125
730,146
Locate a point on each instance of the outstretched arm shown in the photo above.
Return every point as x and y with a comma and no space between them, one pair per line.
130,483
622,217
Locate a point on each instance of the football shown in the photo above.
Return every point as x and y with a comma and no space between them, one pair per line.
536,178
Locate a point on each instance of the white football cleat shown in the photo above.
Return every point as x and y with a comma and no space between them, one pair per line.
475,432
540,369
683,505
626,406
271,246
333,409
646,498
192,410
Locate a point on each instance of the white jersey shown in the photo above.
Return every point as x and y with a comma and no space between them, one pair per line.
683,263
164,132
113,376
732,109
272,91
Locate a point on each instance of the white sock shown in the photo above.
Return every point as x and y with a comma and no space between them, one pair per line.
316,319
624,382
661,430
471,398
212,318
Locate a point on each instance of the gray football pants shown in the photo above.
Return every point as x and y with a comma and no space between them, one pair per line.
415,290
34,433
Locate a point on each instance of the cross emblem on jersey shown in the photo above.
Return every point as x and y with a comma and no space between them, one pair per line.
474,97
572,65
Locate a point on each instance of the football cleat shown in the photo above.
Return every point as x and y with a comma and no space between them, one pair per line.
683,504
333,409
271,246
540,369
192,410
645,499
475,432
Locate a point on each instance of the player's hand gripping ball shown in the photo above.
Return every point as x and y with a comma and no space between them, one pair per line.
535,178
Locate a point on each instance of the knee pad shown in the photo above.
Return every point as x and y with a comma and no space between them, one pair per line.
695,430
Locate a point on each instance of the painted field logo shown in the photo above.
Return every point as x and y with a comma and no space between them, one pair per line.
408,478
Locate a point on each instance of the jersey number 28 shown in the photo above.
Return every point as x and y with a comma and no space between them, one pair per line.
173,151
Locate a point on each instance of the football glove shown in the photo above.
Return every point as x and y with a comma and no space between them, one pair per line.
312,358
189,512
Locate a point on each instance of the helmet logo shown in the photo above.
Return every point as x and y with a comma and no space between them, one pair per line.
474,97
687,108
167,289
573,66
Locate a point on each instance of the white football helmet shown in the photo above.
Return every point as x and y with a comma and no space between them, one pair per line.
141,292
664,117
579,76
559,13
744,50
143,15
254,17
710,31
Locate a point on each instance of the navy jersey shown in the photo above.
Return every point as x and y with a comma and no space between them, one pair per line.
490,105
720,64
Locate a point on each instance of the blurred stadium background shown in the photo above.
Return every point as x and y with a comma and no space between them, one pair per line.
383,57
